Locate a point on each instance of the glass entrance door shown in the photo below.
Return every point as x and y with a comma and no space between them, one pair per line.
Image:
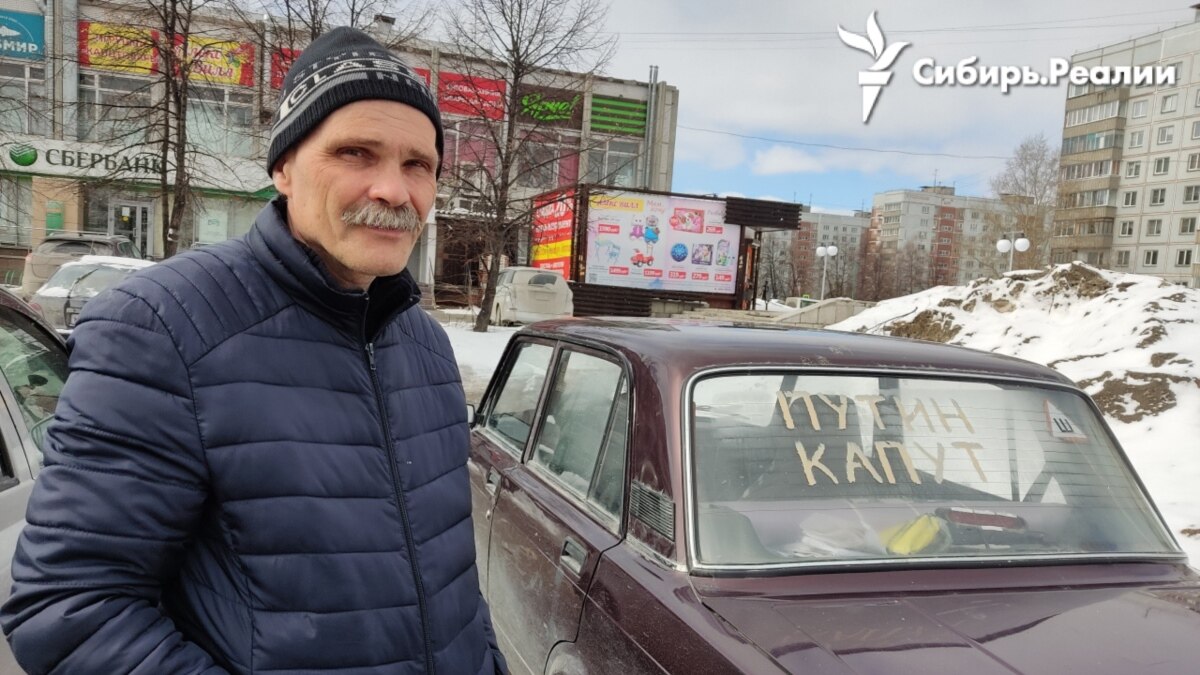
133,220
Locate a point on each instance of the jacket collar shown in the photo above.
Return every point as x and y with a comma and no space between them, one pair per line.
302,274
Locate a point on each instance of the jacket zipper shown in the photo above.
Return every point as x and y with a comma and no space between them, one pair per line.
400,501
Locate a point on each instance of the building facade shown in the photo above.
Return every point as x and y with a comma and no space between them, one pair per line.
848,232
930,237
1130,181
84,114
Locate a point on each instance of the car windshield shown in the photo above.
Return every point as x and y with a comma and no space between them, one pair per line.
802,468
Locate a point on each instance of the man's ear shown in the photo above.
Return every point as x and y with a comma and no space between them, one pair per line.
282,174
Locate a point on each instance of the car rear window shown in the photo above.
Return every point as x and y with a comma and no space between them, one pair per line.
66,247
543,279
802,468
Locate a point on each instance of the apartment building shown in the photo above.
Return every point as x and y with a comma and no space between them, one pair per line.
1130,168
929,237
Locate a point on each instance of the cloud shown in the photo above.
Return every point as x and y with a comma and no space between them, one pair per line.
780,159
716,152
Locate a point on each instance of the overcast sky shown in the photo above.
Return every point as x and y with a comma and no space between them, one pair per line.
762,81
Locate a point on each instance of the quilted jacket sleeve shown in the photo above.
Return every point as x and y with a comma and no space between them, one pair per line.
122,490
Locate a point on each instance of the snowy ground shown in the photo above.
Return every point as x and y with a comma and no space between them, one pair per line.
1132,341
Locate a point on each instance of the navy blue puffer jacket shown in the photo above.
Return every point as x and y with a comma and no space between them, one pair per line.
243,476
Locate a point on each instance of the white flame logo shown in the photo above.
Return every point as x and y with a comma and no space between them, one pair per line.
874,78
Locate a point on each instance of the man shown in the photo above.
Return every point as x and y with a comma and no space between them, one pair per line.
258,463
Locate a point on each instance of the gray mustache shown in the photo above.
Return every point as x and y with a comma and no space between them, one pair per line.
376,215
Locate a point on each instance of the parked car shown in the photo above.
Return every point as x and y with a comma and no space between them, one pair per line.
64,294
673,497
33,361
529,294
59,247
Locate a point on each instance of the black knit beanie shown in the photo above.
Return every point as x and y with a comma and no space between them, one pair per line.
343,66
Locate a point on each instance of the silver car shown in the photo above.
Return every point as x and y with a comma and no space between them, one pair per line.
70,287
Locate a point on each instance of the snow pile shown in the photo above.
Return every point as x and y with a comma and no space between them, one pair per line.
1132,342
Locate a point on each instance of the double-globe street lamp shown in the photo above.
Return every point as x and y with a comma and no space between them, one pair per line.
1008,245
825,252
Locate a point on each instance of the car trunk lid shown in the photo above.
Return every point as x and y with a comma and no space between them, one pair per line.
1105,628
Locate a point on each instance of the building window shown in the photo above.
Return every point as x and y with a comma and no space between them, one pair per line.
1131,198
1187,225
1150,259
23,92
1078,89
1166,134
1191,194
1158,196
1154,227
1126,228
1133,169
924,209
1162,165
615,163
1170,103
546,160
1122,258
1194,161
1137,139
221,120
470,156
1183,257
1138,108
112,108
1195,130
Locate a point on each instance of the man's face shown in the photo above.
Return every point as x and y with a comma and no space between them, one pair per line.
359,188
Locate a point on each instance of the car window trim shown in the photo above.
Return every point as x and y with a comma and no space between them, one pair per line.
495,386
689,480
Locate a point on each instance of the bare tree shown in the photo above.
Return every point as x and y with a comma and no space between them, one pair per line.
776,267
1028,190
284,27
502,158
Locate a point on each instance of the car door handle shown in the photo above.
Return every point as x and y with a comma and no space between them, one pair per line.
572,555
493,481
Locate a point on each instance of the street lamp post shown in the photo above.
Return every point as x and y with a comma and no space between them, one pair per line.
1008,245
825,252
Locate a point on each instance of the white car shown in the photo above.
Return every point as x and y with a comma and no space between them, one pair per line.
529,294
63,295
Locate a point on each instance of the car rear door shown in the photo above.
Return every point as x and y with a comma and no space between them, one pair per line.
559,509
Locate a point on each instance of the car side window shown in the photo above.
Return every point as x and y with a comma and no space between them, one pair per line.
579,411
35,367
512,414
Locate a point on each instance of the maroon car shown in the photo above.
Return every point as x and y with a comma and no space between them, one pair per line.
669,497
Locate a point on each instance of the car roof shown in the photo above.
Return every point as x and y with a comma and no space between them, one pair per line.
109,261
686,346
